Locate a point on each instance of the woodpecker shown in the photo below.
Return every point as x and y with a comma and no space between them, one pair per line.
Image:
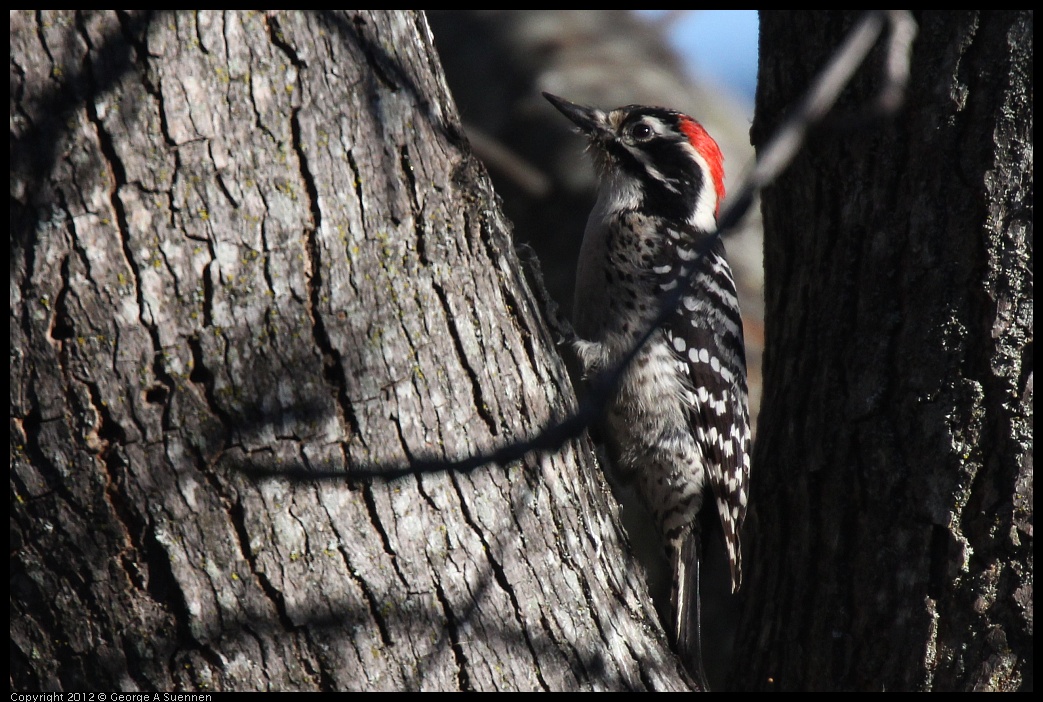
677,427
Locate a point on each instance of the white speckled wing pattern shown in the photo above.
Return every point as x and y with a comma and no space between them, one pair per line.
705,333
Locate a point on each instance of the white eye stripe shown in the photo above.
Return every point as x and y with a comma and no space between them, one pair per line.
653,125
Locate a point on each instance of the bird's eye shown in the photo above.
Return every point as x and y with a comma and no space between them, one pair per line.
641,132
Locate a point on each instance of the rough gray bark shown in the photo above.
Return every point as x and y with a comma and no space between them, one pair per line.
891,524
250,241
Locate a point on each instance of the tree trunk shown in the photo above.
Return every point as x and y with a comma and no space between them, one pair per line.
891,528
246,244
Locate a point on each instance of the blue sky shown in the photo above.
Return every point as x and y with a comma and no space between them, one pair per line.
720,46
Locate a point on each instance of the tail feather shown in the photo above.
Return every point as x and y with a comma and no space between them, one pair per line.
686,606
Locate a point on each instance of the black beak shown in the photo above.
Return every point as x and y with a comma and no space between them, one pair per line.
588,119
